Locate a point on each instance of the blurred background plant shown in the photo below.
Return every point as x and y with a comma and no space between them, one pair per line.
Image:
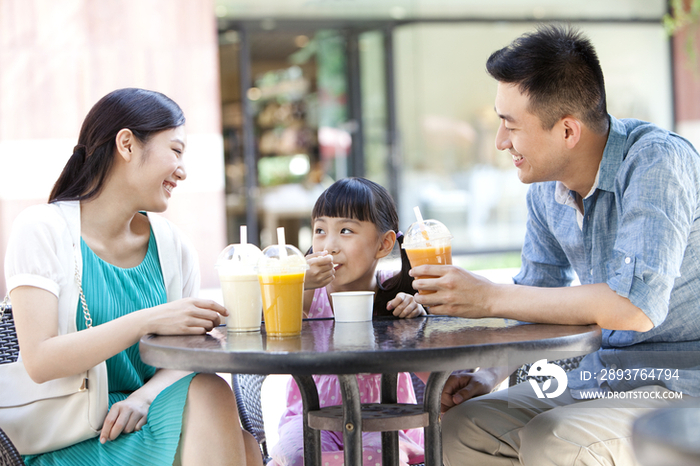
683,17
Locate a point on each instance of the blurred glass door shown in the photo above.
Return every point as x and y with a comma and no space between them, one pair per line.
301,109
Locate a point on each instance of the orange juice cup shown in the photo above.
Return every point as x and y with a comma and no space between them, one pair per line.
281,278
428,243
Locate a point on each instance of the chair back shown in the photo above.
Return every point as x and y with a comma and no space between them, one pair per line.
520,374
418,388
9,456
9,350
247,388
9,347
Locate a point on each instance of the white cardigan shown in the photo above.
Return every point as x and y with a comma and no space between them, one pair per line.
42,252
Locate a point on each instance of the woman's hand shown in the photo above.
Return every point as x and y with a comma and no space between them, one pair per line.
405,307
125,416
131,415
321,270
188,316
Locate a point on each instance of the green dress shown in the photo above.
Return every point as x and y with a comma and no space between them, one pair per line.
112,292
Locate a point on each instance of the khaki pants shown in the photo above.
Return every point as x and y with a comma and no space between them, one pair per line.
513,427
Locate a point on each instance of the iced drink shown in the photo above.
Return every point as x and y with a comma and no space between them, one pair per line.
438,255
428,243
237,266
281,280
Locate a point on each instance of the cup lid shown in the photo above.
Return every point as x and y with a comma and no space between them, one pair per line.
239,256
272,261
422,233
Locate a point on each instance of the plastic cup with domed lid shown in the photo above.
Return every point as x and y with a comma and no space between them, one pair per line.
427,242
237,265
281,272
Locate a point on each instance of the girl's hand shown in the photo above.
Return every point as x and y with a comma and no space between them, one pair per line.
188,316
125,416
321,270
405,307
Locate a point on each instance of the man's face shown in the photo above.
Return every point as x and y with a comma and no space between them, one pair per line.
537,152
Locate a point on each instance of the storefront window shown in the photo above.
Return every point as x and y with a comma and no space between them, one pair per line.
447,124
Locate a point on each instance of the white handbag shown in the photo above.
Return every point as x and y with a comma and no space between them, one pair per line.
55,414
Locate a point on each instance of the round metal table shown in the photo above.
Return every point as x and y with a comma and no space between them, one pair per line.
435,344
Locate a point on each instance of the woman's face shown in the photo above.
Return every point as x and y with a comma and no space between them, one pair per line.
159,167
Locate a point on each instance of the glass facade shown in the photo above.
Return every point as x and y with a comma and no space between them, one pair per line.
396,91
447,124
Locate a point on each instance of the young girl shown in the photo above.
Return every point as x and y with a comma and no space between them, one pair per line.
138,275
355,224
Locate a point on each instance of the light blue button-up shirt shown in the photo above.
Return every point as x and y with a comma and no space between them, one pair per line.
640,234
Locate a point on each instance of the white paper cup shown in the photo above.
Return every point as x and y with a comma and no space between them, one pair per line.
353,306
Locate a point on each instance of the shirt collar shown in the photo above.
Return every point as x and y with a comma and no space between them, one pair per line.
613,155
607,170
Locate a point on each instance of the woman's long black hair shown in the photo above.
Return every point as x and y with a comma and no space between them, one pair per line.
365,200
144,112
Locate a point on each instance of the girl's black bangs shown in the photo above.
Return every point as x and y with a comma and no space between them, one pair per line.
347,201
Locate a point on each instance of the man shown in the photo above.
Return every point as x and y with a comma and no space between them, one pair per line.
616,202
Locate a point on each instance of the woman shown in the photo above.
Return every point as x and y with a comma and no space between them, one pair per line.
139,276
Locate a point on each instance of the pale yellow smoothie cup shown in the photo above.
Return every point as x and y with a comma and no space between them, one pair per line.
238,274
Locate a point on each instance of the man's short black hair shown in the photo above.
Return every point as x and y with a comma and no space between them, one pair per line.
558,69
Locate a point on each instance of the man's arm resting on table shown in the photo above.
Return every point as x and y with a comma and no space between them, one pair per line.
464,294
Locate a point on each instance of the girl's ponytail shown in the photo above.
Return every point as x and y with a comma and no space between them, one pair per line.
401,282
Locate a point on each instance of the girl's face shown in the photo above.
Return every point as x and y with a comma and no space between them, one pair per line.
356,247
158,167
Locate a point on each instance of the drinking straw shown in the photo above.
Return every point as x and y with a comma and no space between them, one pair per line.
419,217
281,242
244,234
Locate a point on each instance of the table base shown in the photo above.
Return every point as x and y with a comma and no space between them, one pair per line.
352,418
376,417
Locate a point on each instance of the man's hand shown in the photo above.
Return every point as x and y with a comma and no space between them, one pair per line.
461,387
457,292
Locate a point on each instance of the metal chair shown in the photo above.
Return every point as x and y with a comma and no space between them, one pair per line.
520,374
9,351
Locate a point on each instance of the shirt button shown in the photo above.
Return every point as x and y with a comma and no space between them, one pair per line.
591,271
613,367
627,260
